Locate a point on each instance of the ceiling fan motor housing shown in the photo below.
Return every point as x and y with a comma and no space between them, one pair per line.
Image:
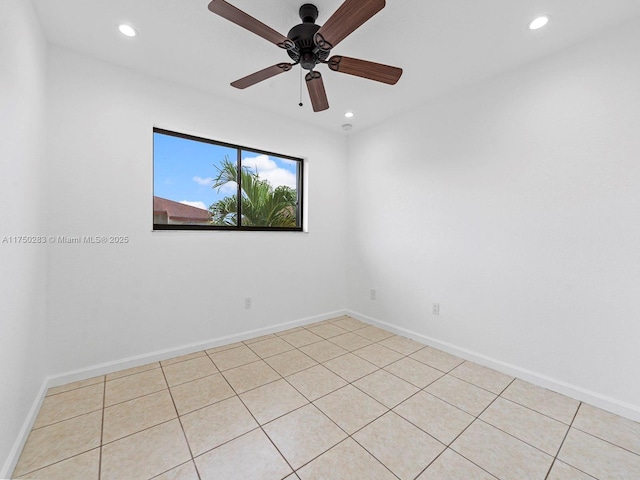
306,52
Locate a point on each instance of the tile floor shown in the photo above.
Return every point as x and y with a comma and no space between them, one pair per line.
334,400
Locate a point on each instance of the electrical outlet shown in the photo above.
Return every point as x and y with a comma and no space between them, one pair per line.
372,294
436,309
247,303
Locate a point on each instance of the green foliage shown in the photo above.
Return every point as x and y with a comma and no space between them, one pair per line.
262,205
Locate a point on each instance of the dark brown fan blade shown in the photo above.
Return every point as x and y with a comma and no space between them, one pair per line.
315,85
262,75
237,16
349,16
362,68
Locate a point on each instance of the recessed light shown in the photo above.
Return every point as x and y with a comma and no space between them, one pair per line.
539,23
348,114
127,30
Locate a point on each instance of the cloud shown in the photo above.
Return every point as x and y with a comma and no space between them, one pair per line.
229,188
194,204
268,170
205,182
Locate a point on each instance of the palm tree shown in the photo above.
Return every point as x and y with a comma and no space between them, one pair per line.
262,205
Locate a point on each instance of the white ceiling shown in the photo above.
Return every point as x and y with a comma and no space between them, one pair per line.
441,45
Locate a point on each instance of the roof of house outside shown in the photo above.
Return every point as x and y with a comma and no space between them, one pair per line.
179,211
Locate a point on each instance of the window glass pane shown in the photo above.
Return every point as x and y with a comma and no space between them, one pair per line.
269,190
192,182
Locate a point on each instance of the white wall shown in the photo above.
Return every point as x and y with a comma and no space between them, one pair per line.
167,289
514,204
22,173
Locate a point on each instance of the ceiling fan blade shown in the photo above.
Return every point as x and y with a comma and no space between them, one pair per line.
362,68
348,17
263,74
315,85
237,16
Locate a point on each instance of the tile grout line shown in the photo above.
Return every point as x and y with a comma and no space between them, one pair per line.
180,423
104,401
311,402
555,457
258,423
476,418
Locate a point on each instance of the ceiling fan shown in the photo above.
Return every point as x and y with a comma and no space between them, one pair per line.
309,44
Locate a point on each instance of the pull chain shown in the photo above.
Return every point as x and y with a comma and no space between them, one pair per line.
300,104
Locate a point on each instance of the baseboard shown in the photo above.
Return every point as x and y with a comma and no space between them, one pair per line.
14,454
135,361
604,402
142,359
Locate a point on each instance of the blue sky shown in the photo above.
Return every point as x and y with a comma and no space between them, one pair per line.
184,169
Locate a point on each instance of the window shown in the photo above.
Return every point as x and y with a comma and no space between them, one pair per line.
201,184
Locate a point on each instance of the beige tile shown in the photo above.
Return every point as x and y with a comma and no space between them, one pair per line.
85,466
347,460
133,370
372,333
529,426
562,471
133,386
74,385
541,400
327,330
350,341
350,408
186,371
620,431
222,348
186,471
250,376
288,331
216,424
259,339
72,403
234,357
272,400
182,358
350,367
249,457
199,393
317,324
315,382
136,415
461,394
145,454
270,347
301,337
436,417
62,440
401,447
303,435
378,355
437,358
414,372
386,388
402,345
349,323
323,351
290,362
598,458
451,466
501,454
482,377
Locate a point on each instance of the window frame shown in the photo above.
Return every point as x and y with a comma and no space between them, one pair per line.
239,149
